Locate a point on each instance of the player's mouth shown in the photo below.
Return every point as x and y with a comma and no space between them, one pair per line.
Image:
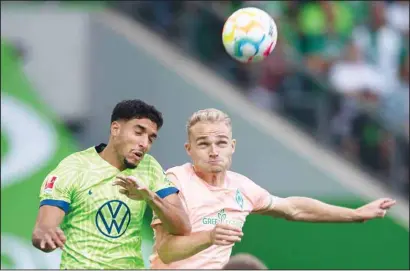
138,155
214,162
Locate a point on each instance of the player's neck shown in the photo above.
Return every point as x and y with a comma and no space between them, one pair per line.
214,179
109,155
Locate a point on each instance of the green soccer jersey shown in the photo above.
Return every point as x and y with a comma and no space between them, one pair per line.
102,226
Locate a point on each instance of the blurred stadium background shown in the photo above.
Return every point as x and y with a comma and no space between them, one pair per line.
337,80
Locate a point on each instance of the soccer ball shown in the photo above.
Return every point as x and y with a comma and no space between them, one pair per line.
249,35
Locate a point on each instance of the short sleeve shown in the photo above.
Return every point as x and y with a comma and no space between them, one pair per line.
261,199
57,188
159,182
174,180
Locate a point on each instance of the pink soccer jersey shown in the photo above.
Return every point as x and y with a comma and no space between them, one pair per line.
207,206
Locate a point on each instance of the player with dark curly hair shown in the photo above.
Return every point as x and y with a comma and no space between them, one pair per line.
100,223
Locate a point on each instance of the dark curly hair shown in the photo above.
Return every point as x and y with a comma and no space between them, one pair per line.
136,109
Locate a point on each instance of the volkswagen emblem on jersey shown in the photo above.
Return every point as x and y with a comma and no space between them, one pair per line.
112,218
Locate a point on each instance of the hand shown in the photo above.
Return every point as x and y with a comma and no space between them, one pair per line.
50,239
375,209
224,235
133,188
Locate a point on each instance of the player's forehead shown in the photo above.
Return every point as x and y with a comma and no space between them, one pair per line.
211,130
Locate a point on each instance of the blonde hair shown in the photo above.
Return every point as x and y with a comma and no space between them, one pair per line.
208,115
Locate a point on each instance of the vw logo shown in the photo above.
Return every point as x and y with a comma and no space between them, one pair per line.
112,218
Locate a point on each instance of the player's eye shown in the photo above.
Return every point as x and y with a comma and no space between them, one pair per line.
222,143
203,144
138,133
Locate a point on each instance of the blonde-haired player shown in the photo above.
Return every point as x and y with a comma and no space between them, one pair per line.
218,200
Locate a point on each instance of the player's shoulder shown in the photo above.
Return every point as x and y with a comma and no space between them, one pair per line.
77,160
239,178
179,175
179,170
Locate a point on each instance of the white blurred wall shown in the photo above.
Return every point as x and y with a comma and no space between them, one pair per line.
56,41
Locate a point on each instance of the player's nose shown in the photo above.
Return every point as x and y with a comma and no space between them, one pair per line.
143,143
213,152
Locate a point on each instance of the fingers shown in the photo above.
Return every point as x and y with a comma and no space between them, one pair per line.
386,204
227,234
223,243
124,191
135,182
124,179
129,181
61,235
56,240
52,239
47,242
43,243
122,182
229,227
229,238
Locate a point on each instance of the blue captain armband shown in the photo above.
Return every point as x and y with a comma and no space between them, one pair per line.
63,205
167,191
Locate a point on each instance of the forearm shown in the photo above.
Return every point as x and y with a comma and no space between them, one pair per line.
311,210
174,219
175,248
48,220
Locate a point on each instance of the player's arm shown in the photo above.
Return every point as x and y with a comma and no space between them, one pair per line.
172,248
55,198
171,213
312,210
164,202
47,235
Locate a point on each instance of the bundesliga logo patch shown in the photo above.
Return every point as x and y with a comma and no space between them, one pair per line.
49,186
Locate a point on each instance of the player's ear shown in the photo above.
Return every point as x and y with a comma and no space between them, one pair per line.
187,148
115,128
233,145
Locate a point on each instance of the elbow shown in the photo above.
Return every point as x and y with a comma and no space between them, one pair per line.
165,256
297,215
292,211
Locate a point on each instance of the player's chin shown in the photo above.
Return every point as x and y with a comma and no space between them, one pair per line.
216,168
131,163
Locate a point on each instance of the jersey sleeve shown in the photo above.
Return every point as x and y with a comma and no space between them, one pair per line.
159,182
261,199
57,187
